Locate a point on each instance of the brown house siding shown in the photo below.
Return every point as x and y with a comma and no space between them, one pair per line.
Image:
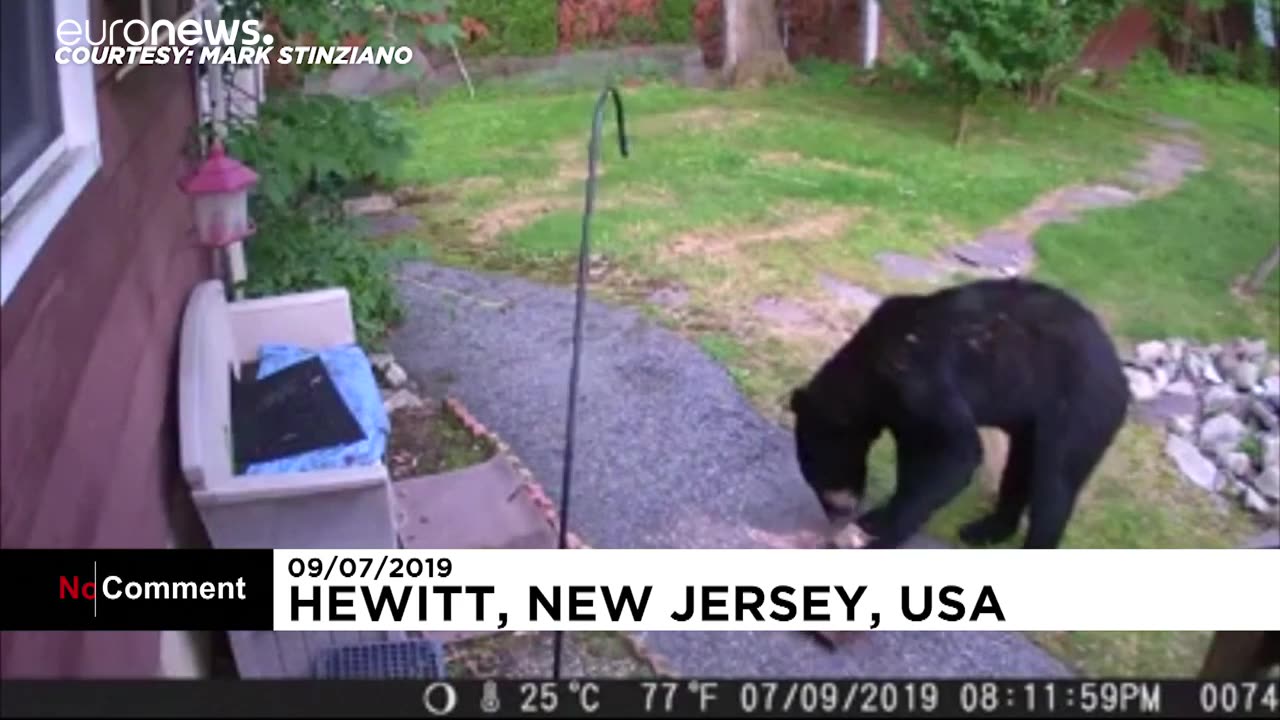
1115,44
88,347
833,30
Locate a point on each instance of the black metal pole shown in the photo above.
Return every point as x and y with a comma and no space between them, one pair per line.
584,263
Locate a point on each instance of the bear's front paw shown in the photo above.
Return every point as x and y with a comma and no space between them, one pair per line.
883,543
875,523
985,531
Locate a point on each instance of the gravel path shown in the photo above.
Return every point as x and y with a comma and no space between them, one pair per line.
670,454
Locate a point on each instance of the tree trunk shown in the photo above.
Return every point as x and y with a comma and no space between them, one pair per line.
962,124
753,52
1263,270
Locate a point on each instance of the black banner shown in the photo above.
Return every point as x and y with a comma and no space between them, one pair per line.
919,698
137,589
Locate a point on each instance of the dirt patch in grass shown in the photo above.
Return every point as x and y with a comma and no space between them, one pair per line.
721,242
814,328
701,119
513,215
427,440
790,158
527,655
477,183
1258,180
571,162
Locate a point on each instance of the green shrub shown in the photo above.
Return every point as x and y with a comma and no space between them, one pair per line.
1218,61
294,251
971,46
1149,67
675,20
912,70
635,29
516,27
328,23
1256,63
309,152
319,145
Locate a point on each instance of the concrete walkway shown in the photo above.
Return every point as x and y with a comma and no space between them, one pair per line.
670,454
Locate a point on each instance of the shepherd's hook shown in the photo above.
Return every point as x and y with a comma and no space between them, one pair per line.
584,261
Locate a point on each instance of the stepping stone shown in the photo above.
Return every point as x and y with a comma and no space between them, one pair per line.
850,294
384,224
374,204
1172,123
669,297
784,312
1189,154
1049,213
996,249
481,506
1140,178
909,267
1098,196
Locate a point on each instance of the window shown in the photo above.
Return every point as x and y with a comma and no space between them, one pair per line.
49,146
148,11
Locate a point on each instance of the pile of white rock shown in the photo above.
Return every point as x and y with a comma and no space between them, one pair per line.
1221,405
398,389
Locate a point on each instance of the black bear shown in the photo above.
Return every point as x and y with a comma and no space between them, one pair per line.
1017,355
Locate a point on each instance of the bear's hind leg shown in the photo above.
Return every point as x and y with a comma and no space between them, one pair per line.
1060,475
1015,485
1052,504
1068,450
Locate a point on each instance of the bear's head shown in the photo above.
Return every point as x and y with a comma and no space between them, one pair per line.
832,453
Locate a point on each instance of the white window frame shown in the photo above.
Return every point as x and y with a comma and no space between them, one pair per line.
145,13
38,200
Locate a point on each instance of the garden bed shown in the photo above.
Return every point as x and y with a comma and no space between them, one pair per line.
429,439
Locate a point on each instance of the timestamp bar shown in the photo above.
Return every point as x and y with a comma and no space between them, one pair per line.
900,698
666,698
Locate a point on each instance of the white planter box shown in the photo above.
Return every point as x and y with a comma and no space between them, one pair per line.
343,508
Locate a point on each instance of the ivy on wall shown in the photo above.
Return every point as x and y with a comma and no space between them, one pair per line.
599,23
541,27
509,27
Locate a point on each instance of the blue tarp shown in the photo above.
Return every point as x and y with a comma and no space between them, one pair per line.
353,375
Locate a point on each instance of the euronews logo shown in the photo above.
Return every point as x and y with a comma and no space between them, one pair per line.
161,42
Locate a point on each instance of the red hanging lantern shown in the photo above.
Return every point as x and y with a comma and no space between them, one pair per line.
220,188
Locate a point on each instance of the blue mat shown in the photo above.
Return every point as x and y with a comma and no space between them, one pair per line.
353,375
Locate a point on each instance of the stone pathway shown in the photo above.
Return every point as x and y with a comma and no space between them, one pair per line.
846,293
1007,249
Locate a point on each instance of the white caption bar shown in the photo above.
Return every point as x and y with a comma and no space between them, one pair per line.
1176,590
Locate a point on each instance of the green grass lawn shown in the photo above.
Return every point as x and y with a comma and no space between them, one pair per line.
738,197
1169,263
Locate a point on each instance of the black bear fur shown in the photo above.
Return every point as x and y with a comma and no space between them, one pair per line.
1018,355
